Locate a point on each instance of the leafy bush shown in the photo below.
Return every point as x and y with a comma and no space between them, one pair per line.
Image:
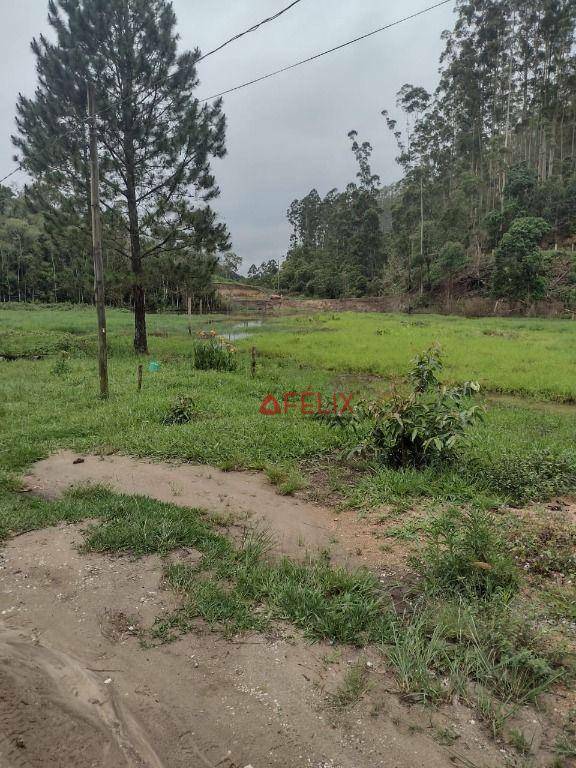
214,354
424,426
180,412
466,553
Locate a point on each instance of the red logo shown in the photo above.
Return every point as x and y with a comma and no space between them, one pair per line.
309,403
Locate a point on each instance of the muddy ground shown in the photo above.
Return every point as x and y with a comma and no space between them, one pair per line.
78,688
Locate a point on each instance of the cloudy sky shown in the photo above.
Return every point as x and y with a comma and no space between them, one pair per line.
287,134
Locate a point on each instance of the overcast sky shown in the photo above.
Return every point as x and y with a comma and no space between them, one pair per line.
287,134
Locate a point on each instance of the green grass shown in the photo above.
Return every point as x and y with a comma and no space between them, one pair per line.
444,646
520,452
514,355
352,687
234,587
436,649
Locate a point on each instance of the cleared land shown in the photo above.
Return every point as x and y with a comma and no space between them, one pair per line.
526,356
406,662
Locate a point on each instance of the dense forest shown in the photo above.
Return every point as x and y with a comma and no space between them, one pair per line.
48,264
487,201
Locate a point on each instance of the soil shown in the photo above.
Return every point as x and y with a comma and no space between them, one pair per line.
78,688
297,526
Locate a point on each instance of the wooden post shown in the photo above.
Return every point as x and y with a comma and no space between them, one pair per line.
189,309
253,362
97,246
140,369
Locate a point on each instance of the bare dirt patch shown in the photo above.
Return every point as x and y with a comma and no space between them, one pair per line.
297,526
78,689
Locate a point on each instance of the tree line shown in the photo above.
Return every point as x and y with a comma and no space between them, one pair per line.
487,200
486,203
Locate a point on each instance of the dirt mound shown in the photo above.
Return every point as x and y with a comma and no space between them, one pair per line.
297,526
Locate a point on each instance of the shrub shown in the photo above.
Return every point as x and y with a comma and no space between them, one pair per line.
62,366
466,553
180,412
214,354
424,426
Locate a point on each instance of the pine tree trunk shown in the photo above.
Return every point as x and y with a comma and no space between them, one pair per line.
140,335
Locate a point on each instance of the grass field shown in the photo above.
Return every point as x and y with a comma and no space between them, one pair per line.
520,356
524,450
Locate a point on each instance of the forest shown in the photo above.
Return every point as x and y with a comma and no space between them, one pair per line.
487,199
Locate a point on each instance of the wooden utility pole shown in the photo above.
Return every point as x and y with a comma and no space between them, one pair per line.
97,245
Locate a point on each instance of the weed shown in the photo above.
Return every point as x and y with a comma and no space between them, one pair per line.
214,354
565,746
352,687
487,654
446,736
286,478
492,712
465,553
62,365
416,656
409,531
520,743
181,411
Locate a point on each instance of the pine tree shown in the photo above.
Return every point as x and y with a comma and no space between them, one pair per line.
156,139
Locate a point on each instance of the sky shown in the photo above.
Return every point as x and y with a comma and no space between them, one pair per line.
286,135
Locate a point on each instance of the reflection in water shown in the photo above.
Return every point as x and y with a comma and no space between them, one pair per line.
235,335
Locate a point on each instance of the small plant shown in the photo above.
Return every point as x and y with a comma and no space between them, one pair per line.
353,686
422,375
446,736
62,366
466,553
181,411
215,354
286,478
519,742
565,746
424,426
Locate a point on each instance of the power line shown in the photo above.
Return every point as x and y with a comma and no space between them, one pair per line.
251,29
18,168
283,69
215,50
324,53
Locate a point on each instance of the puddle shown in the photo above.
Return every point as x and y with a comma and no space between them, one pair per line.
241,330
